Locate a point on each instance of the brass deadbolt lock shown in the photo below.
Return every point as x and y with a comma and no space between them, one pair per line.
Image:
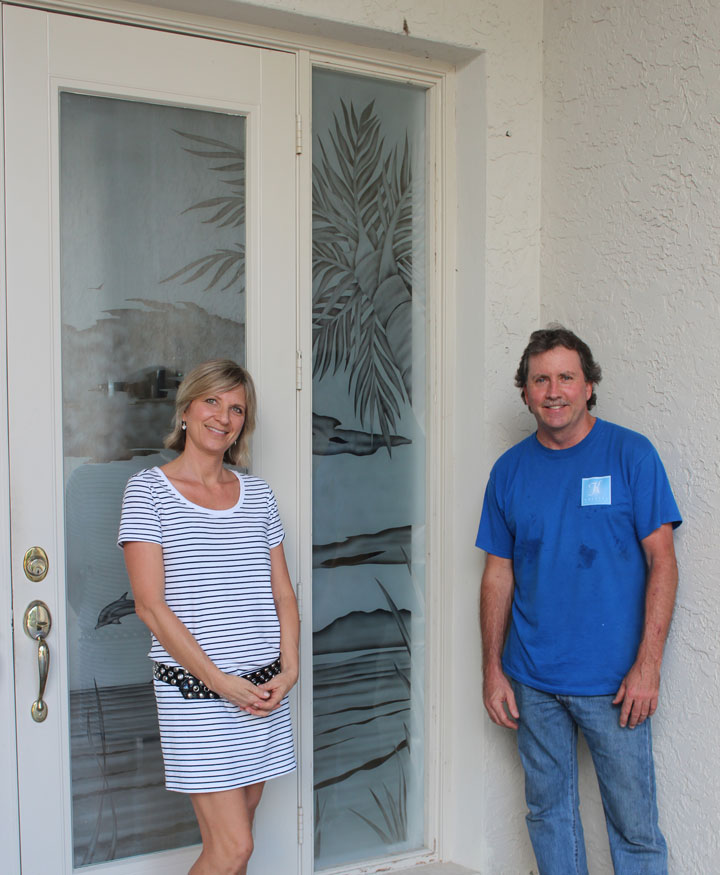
35,564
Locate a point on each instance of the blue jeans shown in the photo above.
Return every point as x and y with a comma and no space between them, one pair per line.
547,740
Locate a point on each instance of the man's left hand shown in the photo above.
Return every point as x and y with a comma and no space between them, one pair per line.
638,693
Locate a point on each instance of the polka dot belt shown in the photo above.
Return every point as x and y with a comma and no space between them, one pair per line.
193,688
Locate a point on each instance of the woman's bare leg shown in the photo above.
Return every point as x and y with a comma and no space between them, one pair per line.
253,794
225,819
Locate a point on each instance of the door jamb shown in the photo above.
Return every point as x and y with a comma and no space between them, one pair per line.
10,819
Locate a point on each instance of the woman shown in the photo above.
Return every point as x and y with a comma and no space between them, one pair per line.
203,549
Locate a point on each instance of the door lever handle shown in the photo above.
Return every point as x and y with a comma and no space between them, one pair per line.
37,623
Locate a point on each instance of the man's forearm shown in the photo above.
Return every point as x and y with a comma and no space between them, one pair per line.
496,592
639,690
661,589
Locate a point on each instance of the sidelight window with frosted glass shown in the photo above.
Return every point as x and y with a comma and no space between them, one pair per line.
369,461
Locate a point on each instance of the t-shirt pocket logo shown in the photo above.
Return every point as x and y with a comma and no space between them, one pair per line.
596,490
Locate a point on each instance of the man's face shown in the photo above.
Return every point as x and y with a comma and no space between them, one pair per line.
556,394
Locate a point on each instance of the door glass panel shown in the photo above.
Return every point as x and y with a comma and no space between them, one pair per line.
152,234
369,339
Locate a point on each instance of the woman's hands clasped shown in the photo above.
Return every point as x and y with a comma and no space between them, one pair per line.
273,692
258,700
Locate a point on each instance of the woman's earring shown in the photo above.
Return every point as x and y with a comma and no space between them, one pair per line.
184,425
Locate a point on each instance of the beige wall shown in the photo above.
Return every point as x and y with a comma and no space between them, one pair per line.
631,256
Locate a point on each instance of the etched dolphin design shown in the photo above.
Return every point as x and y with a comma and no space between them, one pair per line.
387,547
329,440
112,612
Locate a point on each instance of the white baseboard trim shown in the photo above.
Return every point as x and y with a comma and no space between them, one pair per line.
436,869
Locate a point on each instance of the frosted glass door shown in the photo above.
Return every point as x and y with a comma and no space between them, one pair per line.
169,183
368,467
141,220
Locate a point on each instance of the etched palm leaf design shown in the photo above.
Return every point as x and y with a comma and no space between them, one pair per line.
362,260
223,211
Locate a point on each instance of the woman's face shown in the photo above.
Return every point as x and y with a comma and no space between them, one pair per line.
214,422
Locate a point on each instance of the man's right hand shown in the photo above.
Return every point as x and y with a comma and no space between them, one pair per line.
499,699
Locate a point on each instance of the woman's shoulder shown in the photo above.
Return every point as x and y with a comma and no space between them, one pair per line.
150,484
253,484
255,489
147,477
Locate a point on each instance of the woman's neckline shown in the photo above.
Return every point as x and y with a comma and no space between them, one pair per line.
213,510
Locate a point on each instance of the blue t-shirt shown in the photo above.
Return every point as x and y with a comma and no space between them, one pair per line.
572,522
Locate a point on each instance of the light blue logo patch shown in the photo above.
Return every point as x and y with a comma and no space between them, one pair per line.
596,490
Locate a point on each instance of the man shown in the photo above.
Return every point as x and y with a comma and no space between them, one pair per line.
576,601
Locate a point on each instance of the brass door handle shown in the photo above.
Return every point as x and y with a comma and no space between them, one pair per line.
37,622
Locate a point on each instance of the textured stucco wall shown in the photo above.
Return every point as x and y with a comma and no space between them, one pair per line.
631,258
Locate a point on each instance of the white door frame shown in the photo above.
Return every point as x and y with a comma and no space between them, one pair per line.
48,50
438,75
9,818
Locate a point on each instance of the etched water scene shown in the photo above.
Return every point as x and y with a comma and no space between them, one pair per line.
168,182
369,467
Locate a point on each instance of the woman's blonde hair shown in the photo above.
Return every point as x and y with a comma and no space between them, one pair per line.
213,378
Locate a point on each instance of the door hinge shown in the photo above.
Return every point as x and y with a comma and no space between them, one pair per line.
301,824
298,370
298,135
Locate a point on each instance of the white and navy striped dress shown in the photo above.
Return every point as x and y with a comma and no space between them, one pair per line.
217,581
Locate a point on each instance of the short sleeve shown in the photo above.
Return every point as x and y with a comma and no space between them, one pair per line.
494,535
653,500
276,532
139,520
